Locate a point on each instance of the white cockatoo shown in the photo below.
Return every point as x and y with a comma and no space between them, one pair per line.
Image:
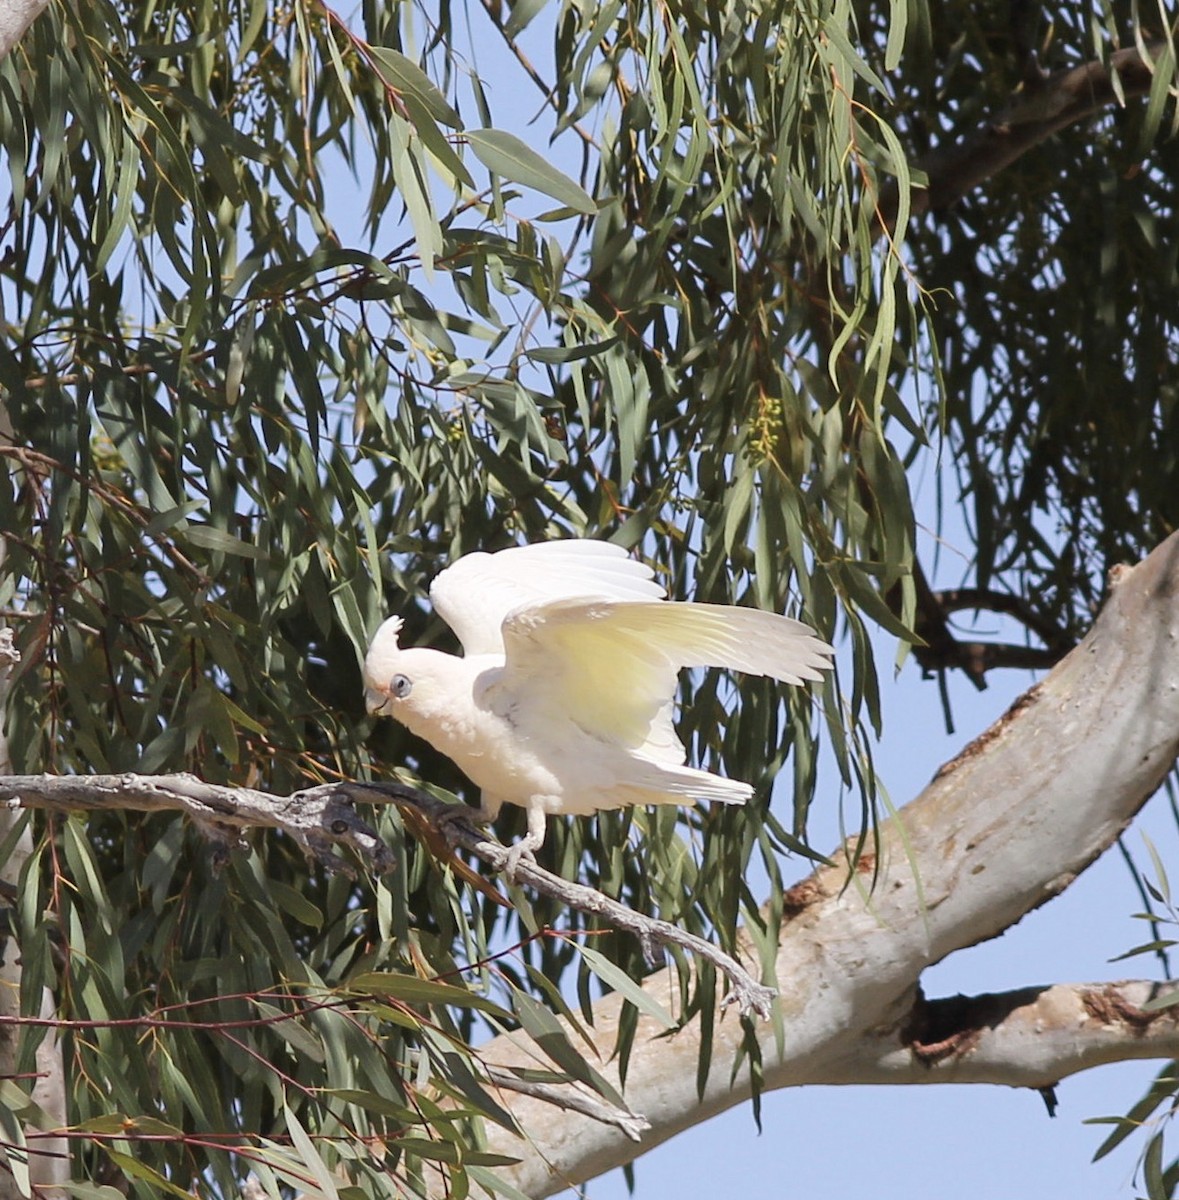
562,701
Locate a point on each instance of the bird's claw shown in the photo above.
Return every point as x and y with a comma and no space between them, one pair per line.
524,850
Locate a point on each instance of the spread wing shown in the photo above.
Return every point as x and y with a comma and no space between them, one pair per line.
476,594
611,666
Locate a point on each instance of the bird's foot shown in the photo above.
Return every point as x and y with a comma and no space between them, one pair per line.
525,848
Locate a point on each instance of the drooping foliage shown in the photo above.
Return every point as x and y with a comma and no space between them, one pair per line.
302,304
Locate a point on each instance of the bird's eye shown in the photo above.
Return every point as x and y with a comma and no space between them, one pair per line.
401,686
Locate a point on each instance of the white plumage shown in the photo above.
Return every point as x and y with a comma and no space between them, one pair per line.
562,702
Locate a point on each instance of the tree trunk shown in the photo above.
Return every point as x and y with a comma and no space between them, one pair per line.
1005,826
15,17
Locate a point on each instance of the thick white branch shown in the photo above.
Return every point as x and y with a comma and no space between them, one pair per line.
1034,1037
15,17
1005,826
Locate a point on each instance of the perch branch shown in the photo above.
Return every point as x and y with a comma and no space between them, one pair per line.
319,818
747,993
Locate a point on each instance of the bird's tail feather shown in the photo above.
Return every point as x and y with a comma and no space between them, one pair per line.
650,782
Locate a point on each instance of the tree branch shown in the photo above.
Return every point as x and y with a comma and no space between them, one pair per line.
749,995
15,17
944,650
573,1097
1037,112
1005,826
319,818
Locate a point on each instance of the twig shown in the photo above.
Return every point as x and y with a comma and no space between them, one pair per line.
319,818
747,993
634,1125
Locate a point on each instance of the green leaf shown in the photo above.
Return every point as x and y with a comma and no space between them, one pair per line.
618,980
136,1169
295,903
494,1183
371,1102
1160,873
564,354
1152,1170
546,1031
404,75
515,160
438,1151
209,537
441,151
1165,1000
411,181
310,1157
412,990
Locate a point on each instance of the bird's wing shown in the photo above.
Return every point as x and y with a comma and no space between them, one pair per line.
611,666
475,594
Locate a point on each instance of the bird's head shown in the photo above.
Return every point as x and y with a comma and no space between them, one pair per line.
411,685
384,681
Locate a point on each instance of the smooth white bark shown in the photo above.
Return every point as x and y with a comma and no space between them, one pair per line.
1004,827
15,17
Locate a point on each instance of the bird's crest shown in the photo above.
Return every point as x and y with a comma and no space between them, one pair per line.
383,651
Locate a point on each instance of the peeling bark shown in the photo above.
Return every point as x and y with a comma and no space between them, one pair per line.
1033,1037
1005,826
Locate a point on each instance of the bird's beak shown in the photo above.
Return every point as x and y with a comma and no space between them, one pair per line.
375,701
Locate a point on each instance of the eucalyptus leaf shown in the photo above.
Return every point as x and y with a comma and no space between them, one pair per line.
508,156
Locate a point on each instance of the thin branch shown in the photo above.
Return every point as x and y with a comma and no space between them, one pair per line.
322,817
1006,604
494,15
318,818
747,993
572,1098
943,650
